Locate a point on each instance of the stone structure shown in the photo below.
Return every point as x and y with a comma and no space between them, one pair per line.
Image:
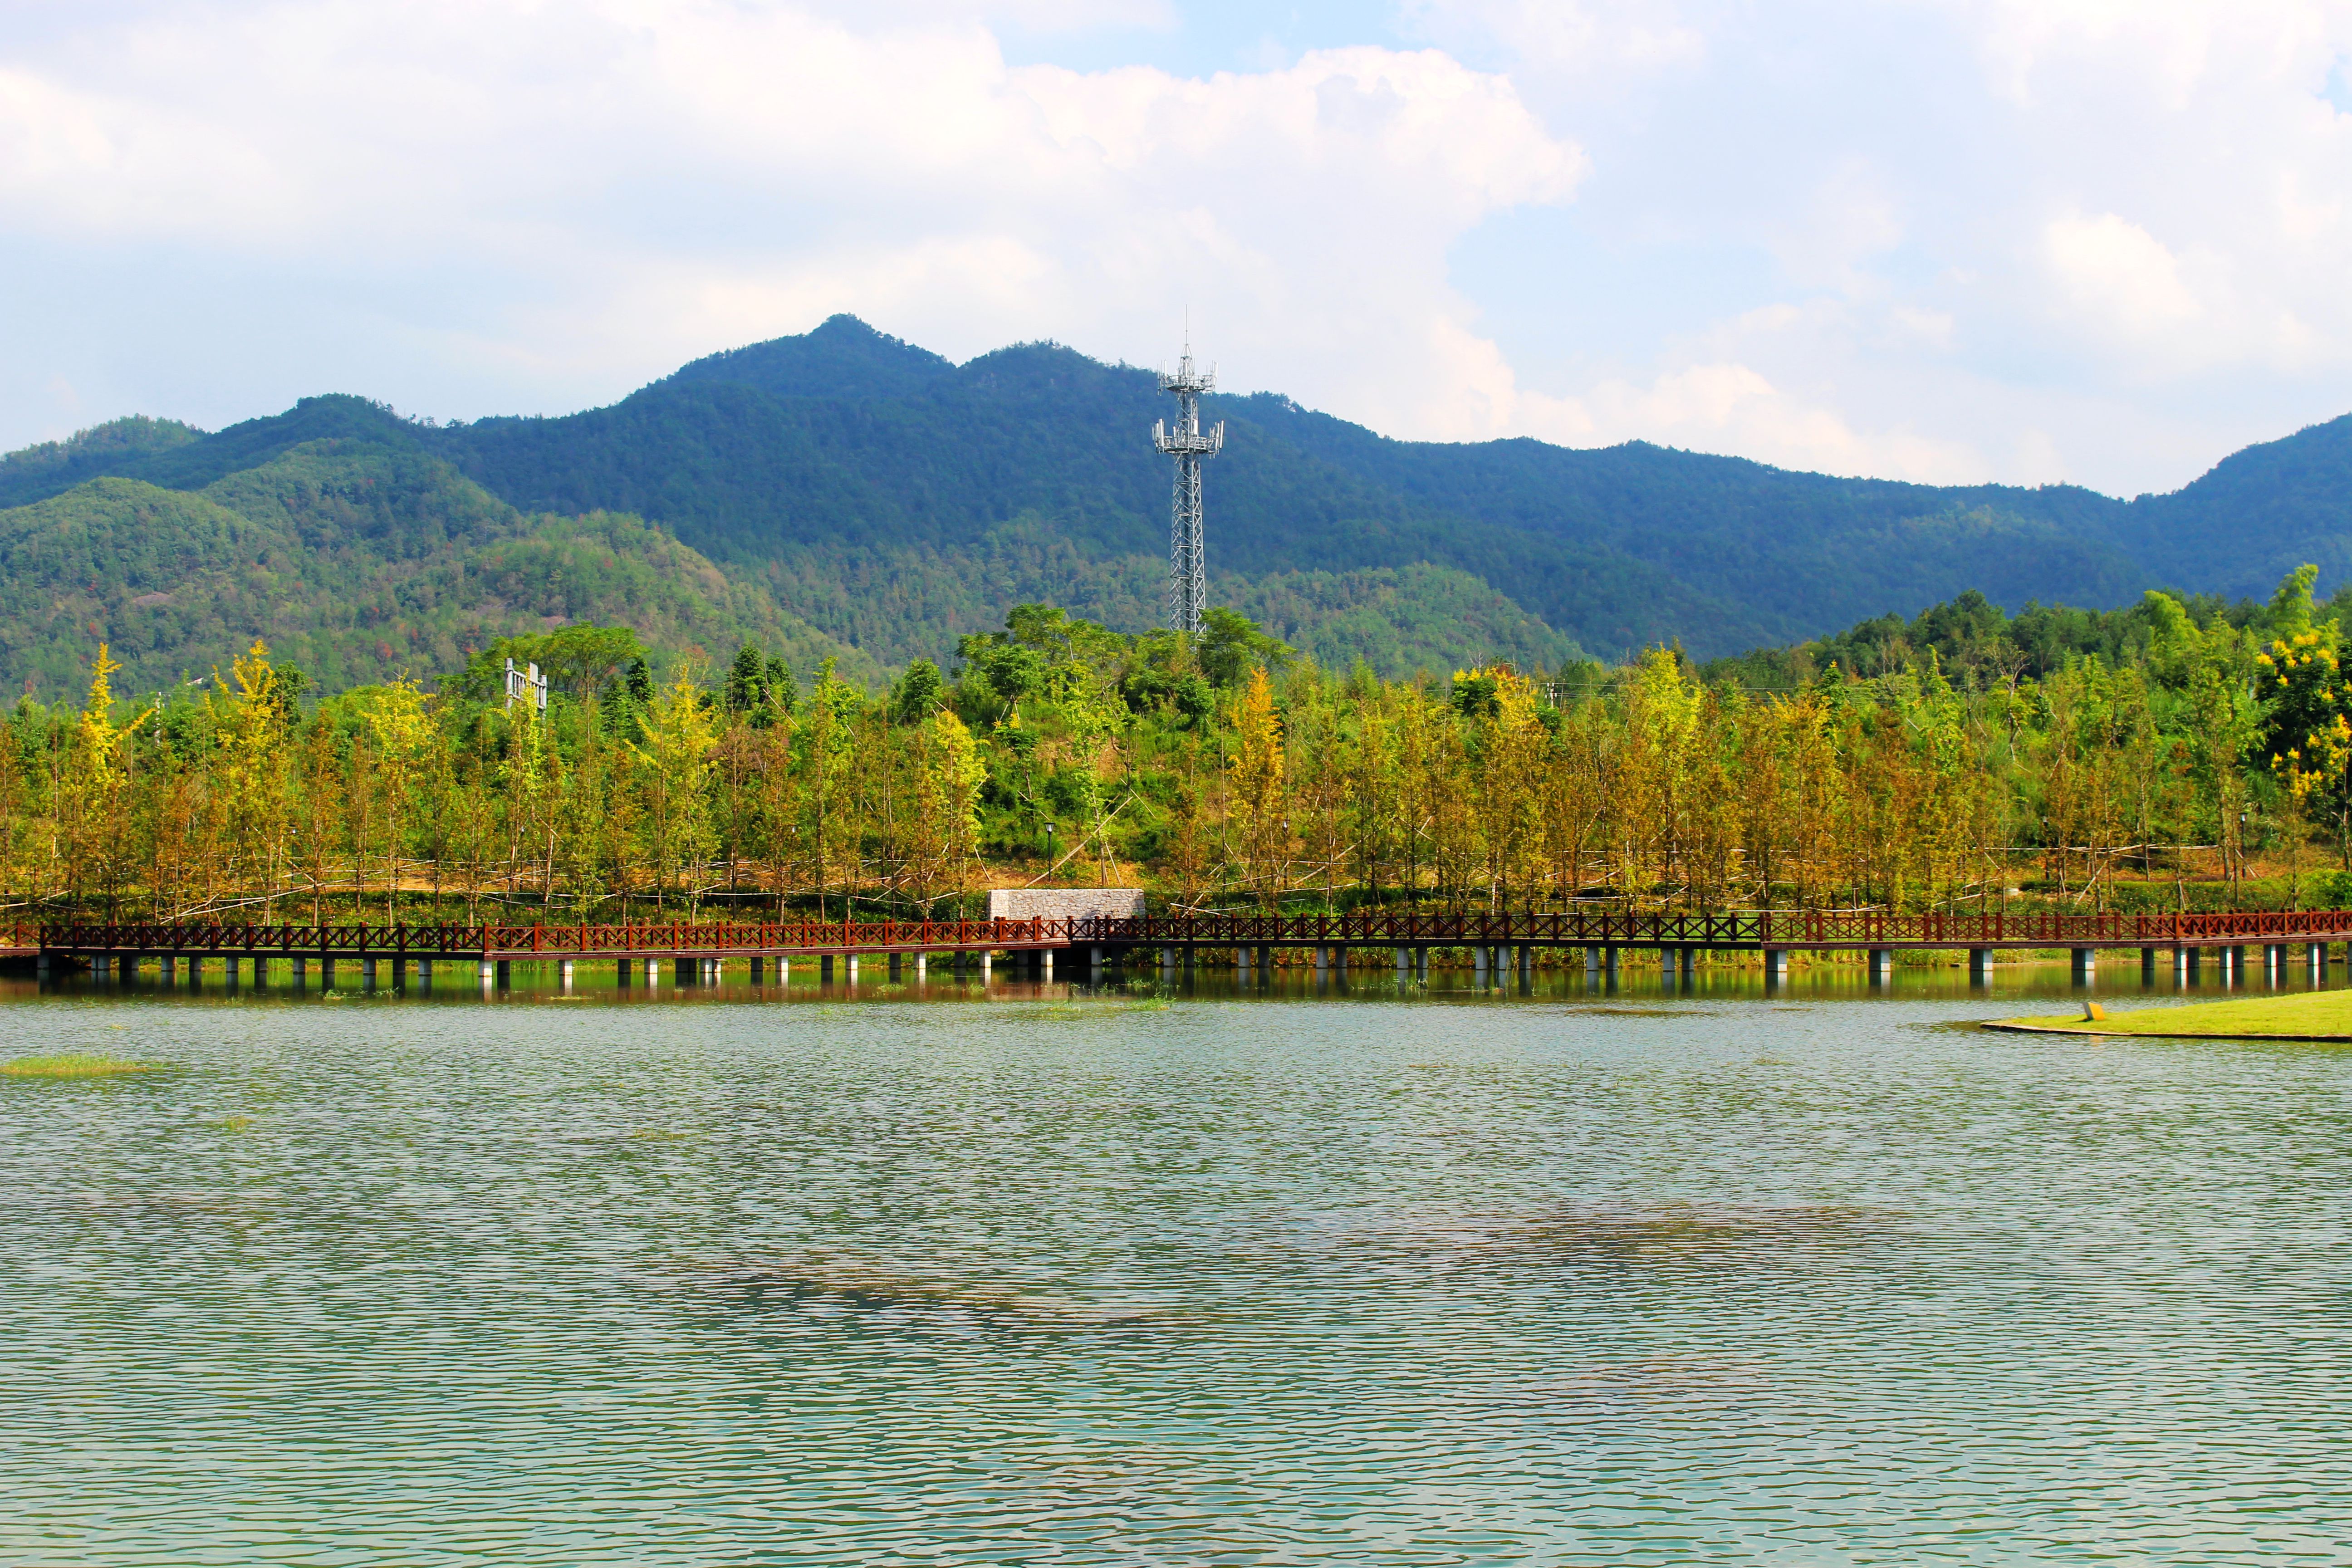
1064,903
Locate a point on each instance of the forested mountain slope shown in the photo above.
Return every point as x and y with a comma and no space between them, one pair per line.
883,499
358,560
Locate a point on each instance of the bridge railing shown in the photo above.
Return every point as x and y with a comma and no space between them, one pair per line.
553,940
1731,929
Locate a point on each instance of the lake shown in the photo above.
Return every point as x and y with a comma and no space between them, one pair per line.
1159,1276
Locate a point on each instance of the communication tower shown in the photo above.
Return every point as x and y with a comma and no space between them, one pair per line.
1188,578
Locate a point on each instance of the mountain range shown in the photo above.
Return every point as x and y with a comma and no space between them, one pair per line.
846,494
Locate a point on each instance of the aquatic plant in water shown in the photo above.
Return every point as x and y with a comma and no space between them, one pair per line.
73,1065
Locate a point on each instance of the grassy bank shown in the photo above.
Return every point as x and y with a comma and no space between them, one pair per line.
2311,1016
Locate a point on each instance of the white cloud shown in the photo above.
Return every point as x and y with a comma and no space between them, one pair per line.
624,185
1729,406
2024,239
2121,276
1588,39
2104,238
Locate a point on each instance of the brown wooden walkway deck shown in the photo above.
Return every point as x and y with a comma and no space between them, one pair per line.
1767,931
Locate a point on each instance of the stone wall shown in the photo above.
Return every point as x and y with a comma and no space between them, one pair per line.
1064,903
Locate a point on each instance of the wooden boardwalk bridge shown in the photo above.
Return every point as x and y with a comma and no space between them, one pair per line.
1092,941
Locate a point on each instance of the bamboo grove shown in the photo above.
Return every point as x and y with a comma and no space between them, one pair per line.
2206,766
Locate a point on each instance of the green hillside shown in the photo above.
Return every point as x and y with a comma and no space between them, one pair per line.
858,492
903,491
357,561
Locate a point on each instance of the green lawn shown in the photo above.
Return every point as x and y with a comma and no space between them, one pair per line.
2311,1016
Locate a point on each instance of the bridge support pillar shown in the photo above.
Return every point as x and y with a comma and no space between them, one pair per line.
2086,963
326,969
1526,965
1479,965
621,973
853,969
367,973
1881,964
506,972
824,969
424,973
2196,964
1591,964
895,969
2314,959
563,974
2273,961
1776,968
1421,962
228,969
125,967
923,964
986,961
759,968
2147,967
489,975
1189,953
1979,966
298,970
171,970
400,975
1403,956
1263,963
1666,966
260,969
2236,960
1045,964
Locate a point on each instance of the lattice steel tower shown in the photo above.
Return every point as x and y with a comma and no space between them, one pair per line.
1188,578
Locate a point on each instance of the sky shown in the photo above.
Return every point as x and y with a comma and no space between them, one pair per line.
2105,242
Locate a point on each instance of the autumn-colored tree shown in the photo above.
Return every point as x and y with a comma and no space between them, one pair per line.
1261,802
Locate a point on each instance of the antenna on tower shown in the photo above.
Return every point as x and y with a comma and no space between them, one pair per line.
1188,578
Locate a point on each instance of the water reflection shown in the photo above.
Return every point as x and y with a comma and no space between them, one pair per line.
1637,979
1159,1273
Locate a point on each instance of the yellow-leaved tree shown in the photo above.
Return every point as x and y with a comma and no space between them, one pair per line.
93,820
401,724
673,771
252,726
1260,797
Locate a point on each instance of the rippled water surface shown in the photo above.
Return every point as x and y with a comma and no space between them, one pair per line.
1121,1278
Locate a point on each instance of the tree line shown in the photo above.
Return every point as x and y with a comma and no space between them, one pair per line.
2205,762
